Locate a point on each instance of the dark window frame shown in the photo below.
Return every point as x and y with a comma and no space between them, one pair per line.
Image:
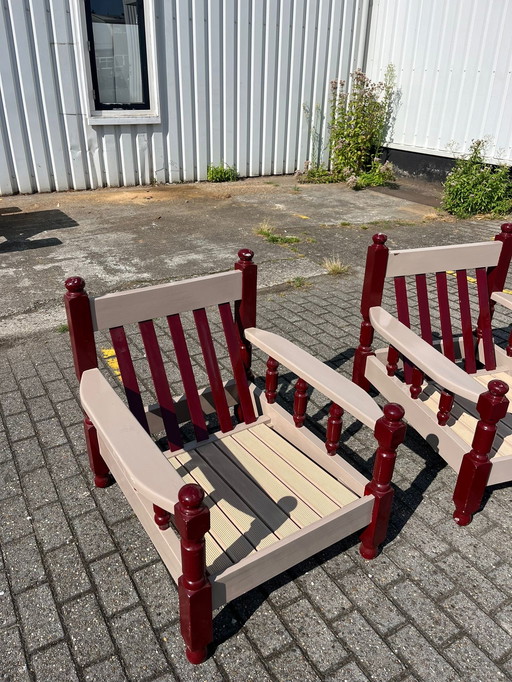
138,106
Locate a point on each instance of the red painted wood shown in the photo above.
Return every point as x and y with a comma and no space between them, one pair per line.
509,345
468,337
102,476
233,343
334,425
212,369
424,308
81,331
476,466
187,377
271,378
245,309
444,314
416,383
389,432
392,363
445,408
373,286
300,402
192,520
484,331
161,383
162,517
128,375
496,276
402,308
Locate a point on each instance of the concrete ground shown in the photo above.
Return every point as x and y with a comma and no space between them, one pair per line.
83,594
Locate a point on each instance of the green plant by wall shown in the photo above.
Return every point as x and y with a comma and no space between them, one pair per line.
221,173
474,186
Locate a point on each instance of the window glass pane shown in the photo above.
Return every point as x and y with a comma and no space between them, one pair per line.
117,41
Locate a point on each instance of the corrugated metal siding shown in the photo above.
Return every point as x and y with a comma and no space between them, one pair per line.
233,78
454,67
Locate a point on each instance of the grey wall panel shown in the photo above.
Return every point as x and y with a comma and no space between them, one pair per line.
233,76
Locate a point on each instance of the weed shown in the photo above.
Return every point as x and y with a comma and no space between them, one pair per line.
334,266
62,328
222,173
269,235
271,182
296,188
344,223
475,187
299,282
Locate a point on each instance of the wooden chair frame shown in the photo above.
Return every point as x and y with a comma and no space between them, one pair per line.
441,381
248,501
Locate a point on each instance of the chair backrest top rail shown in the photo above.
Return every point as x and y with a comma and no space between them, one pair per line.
442,258
136,305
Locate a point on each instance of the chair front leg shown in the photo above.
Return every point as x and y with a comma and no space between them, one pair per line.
102,476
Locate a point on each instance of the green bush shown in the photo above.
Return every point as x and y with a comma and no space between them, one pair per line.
474,186
221,173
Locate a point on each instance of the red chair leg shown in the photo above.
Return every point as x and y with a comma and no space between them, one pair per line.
102,476
192,519
389,432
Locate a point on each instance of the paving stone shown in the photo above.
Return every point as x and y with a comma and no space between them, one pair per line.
61,462
40,408
28,455
50,433
13,667
469,546
90,639
137,643
106,671
261,624
313,635
472,662
368,647
473,582
58,391
421,536
281,590
113,584
112,503
19,427
381,570
158,592
12,403
291,665
137,548
70,413
420,569
174,646
488,636
49,371
424,660
324,593
497,539
67,572
240,661
501,576
349,673
32,387
51,527
424,612
41,624
7,614
24,563
54,664
9,480
39,488
14,519
74,495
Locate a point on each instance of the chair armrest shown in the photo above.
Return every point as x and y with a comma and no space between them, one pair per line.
424,356
503,299
336,387
133,449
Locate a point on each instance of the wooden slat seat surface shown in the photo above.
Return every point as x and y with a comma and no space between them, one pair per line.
259,489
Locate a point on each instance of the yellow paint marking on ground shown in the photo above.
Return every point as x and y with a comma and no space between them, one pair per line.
304,217
472,280
110,358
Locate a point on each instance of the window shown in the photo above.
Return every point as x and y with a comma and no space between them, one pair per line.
117,49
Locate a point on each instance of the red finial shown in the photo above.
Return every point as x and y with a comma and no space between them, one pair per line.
246,254
191,496
507,228
394,412
496,386
379,238
75,285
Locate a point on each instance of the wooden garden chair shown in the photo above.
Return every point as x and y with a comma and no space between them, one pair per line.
234,507
440,378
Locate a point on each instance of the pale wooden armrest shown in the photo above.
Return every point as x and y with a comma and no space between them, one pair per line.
425,357
503,299
142,461
336,387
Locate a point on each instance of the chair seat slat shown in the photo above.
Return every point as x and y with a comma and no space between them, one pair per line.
468,336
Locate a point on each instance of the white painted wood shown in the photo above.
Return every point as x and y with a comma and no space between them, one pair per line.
147,303
442,258
333,385
503,299
429,360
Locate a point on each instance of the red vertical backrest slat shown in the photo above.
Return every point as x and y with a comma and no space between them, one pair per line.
444,315
233,343
212,369
161,383
128,376
187,377
402,308
468,336
424,309
484,319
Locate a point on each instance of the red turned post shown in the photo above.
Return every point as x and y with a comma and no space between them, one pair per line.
271,380
81,332
333,434
496,276
245,309
192,520
375,273
416,383
445,408
509,345
162,517
300,402
476,466
389,432
392,363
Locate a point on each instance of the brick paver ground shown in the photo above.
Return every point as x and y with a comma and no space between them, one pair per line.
84,595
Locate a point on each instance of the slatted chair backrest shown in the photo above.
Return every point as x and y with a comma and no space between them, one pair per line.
490,262
115,311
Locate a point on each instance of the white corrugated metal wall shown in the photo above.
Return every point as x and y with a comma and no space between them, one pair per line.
453,60
233,76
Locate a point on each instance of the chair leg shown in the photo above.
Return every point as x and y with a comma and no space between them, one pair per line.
102,476
470,487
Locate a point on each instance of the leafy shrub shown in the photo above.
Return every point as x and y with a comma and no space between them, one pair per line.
221,173
474,186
